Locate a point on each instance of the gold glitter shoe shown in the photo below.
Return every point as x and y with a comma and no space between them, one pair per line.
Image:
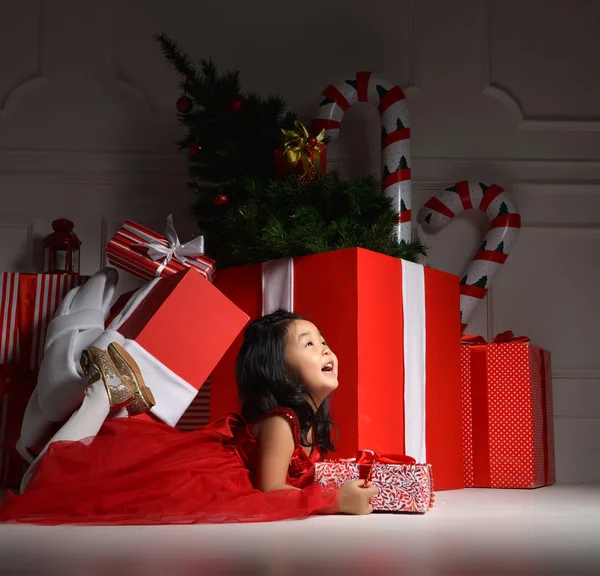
97,364
143,399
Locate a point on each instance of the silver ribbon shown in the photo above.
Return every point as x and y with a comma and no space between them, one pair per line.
172,248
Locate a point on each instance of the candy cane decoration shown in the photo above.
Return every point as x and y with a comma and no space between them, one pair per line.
395,134
505,224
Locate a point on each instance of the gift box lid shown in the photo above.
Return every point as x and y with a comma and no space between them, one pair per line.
187,324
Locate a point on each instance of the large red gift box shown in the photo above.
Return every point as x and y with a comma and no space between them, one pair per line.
395,327
148,254
185,325
508,426
403,485
27,304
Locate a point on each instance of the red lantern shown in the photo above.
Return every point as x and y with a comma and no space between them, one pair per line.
61,249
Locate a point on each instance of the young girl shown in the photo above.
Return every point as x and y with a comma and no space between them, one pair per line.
257,467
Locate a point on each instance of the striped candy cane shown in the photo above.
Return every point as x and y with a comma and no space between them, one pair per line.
395,134
505,224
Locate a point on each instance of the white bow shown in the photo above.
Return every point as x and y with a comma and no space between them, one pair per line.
171,247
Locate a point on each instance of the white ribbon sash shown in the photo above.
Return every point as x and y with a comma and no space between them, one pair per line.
278,285
413,303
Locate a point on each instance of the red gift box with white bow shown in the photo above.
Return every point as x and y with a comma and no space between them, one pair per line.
148,254
402,484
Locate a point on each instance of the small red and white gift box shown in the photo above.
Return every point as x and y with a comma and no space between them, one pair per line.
403,485
148,254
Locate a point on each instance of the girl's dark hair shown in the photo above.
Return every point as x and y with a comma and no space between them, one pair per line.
265,382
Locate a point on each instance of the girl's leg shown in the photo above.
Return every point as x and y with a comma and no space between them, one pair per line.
78,323
84,423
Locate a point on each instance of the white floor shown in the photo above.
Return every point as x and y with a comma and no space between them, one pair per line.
553,530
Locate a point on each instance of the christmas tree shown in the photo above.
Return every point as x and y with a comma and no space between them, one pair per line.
245,212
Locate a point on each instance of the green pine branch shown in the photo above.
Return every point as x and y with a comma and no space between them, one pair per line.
295,217
175,55
246,214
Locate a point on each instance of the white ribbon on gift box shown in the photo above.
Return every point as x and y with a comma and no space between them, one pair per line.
278,285
278,293
171,247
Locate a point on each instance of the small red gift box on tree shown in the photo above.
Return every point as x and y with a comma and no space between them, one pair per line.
301,153
508,427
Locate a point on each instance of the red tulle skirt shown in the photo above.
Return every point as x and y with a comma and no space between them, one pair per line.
140,472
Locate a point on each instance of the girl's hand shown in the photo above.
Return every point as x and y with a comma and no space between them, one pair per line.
355,498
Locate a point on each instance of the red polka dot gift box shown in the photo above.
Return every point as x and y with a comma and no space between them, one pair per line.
403,485
507,412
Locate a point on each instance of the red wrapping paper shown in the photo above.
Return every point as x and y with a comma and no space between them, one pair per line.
128,251
508,427
187,324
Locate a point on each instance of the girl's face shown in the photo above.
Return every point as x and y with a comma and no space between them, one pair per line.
308,356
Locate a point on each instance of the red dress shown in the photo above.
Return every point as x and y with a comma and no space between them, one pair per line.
141,472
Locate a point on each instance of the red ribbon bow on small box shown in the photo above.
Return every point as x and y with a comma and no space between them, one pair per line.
366,458
507,337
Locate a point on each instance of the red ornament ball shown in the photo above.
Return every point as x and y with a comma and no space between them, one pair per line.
184,104
234,104
312,141
195,148
220,200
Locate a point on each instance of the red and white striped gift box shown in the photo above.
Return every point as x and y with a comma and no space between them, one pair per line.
39,297
148,254
27,304
9,354
198,412
9,288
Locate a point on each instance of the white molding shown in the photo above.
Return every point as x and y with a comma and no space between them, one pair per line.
91,167
571,228
576,372
33,81
9,221
511,100
430,173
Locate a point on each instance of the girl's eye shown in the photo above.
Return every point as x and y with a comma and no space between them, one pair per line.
309,344
324,343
